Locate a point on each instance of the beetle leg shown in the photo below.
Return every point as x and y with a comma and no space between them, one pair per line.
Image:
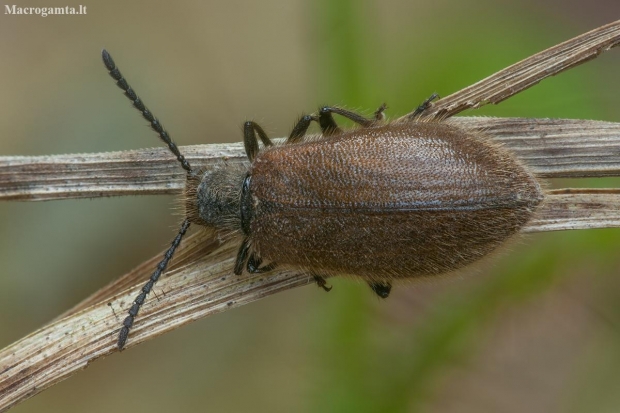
329,126
379,115
301,127
425,105
254,263
320,281
382,289
268,267
250,141
242,255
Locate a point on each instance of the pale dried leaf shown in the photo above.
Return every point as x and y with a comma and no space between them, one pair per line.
553,148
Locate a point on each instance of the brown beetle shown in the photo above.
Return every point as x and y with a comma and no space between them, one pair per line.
382,202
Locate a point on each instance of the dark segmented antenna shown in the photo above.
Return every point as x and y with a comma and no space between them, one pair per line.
138,104
157,127
137,303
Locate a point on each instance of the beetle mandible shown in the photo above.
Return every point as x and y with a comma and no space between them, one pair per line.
384,201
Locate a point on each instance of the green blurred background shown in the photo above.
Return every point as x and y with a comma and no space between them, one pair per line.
537,331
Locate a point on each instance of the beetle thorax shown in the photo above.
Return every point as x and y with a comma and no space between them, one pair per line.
213,197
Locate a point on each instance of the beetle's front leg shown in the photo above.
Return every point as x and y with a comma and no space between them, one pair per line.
250,141
242,256
254,263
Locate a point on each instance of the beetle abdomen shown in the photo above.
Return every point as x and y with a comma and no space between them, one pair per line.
398,200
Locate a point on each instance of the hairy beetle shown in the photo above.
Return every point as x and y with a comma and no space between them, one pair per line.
383,201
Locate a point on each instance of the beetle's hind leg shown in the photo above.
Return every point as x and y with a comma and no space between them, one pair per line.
320,281
382,289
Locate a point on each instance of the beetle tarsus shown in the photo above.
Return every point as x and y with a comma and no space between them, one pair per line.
320,281
424,106
382,289
379,114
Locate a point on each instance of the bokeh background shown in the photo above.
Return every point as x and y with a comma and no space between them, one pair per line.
537,331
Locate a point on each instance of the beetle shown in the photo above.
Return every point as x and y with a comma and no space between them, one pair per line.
383,201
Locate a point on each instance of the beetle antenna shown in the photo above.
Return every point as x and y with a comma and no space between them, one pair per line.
137,103
146,289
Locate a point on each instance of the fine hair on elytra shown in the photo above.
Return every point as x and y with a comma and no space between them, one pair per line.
383,201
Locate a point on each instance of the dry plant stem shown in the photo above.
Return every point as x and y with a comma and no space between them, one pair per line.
528,72
565,209
200,280
556,148
199,284
187,293
139,172
553,148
